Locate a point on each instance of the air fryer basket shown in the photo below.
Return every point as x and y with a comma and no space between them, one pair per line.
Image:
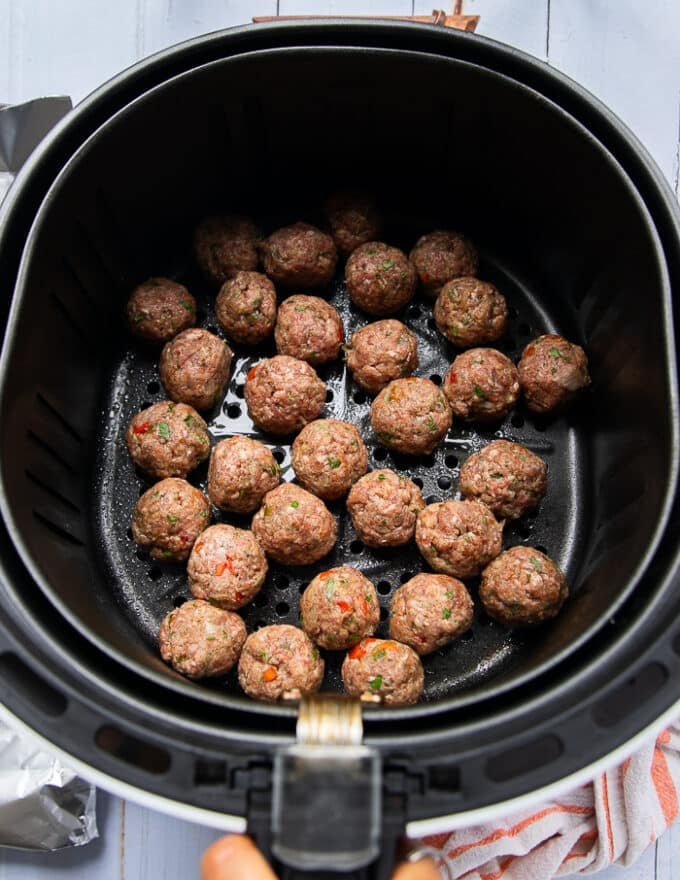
630,419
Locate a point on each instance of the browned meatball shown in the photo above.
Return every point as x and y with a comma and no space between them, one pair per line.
411,416
507,477
224,245
353,218
458,537
194,368
522,587
440,256
482,385
245,307
168,518
283,394
241,473
227,567
379,278
385,671
338,608
384,507
552,371
294,527
201,641
381,352
470,312
429,611
168,440
279,662
328,456
308,328
159,308
300,256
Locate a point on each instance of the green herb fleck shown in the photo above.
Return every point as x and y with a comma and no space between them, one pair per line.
449,594
315,654
138,317
301,308
273,469
190,420
430,424
333,463
382,477
330,586
387,264
496,475
536,564
210,638
379,653
556,353
189,306
453,330
295,504
376,683
172,518
479,393
368,597
167,554
171,406
164,430
446,613
385,436
371,251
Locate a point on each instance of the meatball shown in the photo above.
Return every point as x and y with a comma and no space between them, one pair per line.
328,456
279,662
551,373
353,219
338,608
429,611
411,416
379,278
470,312
168,518
283,394
381,352
384,670
201,641
159,308
224,245
167,440
482,385
458,537
522,587
226,567
384,507
294,527
245,307
440,256
308,328
507,477
241,473
194,368
300,256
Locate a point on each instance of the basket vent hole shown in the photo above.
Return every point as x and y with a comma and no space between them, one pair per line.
524,529
260,601
444,482
132,750
142,555
417,482
212,329
279,455
467,636
146,404
359,397
210,773
431,323
525,758
155,572
239,391
178,601
414,312
517,421
129,533
405,576
540,425
384,613
380,454
451,461
282,609
153,387
281,582
384,588
431,499
436,378
233,410
356,547
429,461
20,678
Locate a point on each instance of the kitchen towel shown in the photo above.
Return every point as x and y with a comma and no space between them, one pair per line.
609,821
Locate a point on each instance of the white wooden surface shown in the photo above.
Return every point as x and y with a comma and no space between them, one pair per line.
625,51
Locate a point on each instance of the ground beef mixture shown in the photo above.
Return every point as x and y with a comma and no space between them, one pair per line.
379,278
552,371
201,641
383,670
482,385
224,245
309,328
384,506
471,312
458,538
167,440
381,352
429,611
168,518
300,256
411,416
245,308
194,368
328,456
159,308
339,608
283,394
440,256
522,587
279,662
227,567
294,527
241,472
353,219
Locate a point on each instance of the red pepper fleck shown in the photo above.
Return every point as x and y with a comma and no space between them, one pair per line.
424,277
453,378
239,596
345,606
221,567
251,372
357,652
325,575
198,547
184,538
410,379
270,674
363,604
141,429
530,350
341,334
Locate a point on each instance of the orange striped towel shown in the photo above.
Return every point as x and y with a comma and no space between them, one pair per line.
609,821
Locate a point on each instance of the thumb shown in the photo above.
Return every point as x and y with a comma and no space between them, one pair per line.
424,869
236,857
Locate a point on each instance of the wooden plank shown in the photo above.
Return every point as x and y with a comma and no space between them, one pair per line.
524,25
628,54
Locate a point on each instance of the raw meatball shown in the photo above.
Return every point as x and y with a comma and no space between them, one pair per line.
458,537
353,219
194,368
279,662
551,373
338,608
168,518
470,312
385,670
159,308
308,328
384,507
440,256
379,278
167,440
201,641
411,416
245,307
482,385
227,567
283,394
328,456
294,527
507,477
241,473
429,611
300,256
225,245
381,352
522,587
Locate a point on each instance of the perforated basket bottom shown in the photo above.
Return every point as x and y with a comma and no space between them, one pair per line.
147,590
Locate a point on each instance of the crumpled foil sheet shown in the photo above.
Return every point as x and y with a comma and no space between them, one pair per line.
44,805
